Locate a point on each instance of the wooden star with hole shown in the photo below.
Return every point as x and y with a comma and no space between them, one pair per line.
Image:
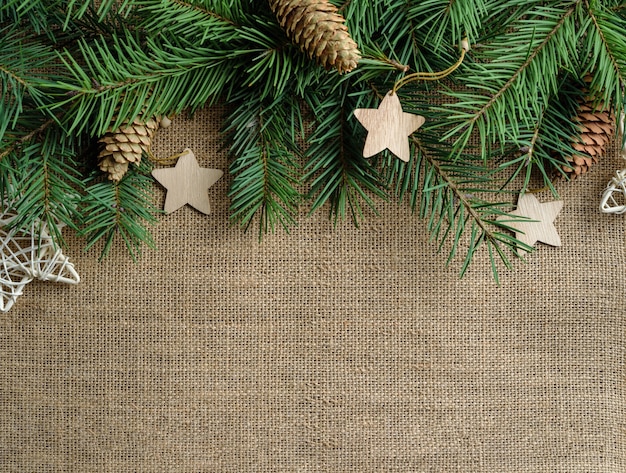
388,127
187,183
541,228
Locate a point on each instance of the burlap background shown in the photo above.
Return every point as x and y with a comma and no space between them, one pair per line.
327,350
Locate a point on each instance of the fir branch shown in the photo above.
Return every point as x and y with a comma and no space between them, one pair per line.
391,31
365,18
124,58
546,146
337,172
519,74
47,183
223,16
127,78
272,64
35,12
193,20
449,201
449,192
120,210
604,48
76,9
264,180
21,79
443,22
16,142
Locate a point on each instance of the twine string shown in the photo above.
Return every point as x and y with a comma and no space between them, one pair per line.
165,161
433,75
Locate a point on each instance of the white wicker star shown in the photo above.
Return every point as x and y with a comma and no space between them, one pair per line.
28,255
612,203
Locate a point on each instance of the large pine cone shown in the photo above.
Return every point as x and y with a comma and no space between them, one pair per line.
125,145
318,28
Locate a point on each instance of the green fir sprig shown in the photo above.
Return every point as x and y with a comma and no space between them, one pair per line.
70,70
120,209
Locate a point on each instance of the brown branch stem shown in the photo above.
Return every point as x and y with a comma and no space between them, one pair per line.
26,138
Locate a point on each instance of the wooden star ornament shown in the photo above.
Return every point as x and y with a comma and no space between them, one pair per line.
388,127
540,227
187,183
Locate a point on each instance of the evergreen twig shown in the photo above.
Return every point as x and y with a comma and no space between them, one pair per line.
121,209
69,70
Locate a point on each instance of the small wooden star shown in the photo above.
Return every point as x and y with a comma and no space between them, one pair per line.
388,127
187,183
542,227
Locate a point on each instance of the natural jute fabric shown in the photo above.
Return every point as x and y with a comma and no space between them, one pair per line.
326,350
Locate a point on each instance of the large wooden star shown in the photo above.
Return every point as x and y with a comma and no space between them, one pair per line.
542,227
388,127
187,183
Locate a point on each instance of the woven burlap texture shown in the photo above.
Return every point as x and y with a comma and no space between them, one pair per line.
325,350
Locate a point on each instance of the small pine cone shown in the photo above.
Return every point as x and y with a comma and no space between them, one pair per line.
125,145
597,129
318,28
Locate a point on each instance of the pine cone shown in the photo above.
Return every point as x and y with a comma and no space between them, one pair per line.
125,145
597,127
319,29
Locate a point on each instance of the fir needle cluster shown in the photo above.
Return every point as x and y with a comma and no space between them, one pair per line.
72,70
